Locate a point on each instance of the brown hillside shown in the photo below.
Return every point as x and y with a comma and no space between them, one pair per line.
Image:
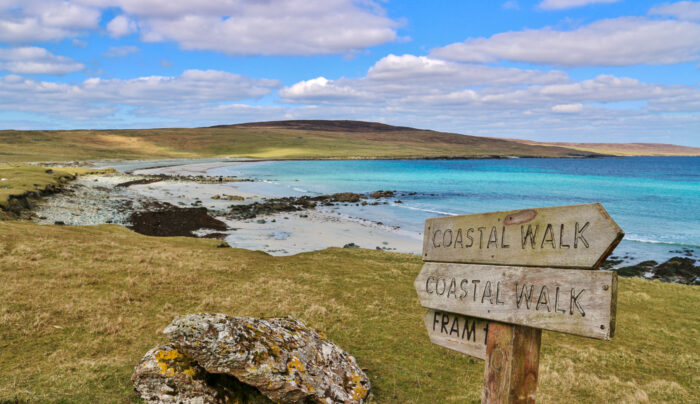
266,140
624,149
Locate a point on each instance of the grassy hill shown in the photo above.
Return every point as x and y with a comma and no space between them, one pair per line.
79,306
281,139
624,149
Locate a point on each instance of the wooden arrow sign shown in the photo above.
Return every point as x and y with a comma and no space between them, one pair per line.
565,300
457,332
576,236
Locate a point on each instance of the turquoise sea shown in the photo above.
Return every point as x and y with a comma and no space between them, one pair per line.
656,200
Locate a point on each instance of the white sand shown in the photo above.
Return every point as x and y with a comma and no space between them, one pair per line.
282,233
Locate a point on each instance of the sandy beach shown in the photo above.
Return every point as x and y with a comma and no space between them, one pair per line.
98,199
278,234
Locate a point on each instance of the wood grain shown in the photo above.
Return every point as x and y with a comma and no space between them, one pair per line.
512,364
565,300
575,236
457,332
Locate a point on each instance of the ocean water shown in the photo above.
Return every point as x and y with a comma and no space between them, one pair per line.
656,200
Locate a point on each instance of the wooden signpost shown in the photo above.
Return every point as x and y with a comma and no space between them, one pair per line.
493,281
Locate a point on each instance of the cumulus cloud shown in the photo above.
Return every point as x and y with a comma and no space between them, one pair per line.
34,60
236,27
121,26
611,42
566,4
408,77
97,97
683,10
44,20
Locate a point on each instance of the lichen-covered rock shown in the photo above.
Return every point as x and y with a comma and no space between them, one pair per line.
283,358
166,375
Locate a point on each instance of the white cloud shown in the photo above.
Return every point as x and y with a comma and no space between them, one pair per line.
121,26
236,27
120,51
97,97
34,60
44,20
252,27
683,10
402,77
567,108
566,4
612,42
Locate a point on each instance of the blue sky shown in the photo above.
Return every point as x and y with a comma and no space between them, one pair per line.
549,70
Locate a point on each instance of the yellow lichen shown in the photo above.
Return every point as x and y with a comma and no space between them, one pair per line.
173,361
295,364
358,392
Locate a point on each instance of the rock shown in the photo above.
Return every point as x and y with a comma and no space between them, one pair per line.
678,269
351,245
638,269
346,197
165,220
166,375
382,194
283,358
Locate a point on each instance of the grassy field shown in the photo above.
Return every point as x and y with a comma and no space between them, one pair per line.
79,306
321,140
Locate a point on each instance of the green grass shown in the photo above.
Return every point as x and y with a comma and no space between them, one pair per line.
17,180
79,306
255,142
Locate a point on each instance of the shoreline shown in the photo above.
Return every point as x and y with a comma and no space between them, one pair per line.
287,233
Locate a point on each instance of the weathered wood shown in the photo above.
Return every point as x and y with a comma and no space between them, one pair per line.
576,236
457,332
511,370
565,300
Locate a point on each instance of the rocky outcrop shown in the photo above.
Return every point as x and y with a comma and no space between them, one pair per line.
166,220
677,269
212,355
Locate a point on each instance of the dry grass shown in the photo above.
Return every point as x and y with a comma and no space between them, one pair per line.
624,149
261,142
79,306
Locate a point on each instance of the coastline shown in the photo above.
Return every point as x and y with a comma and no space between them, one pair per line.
183,186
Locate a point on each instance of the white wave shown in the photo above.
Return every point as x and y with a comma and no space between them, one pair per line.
300,190
427,210
650,241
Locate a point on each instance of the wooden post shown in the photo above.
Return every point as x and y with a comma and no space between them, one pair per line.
512,363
